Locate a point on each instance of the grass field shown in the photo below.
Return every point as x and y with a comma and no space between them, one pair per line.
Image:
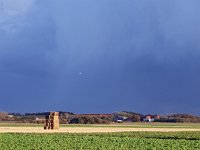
110,141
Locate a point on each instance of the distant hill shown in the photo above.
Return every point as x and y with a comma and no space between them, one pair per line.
121,116
180,118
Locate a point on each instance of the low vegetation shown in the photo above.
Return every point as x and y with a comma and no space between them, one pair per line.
108,141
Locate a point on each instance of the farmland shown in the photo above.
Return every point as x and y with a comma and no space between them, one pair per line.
113,136
109,141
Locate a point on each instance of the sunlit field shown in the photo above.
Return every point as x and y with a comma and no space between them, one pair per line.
181,138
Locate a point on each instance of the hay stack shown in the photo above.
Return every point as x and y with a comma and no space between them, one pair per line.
52,120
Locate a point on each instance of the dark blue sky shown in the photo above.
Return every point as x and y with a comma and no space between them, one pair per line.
97,56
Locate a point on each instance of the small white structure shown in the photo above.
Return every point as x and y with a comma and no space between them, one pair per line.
149,118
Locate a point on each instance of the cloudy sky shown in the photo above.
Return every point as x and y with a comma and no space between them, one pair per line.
97,56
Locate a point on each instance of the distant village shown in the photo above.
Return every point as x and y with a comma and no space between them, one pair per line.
116,117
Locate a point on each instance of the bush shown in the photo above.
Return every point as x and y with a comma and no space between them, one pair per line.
89,120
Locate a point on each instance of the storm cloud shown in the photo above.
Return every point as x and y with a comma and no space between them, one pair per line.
100,56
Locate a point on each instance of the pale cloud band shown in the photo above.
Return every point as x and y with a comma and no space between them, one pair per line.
16,6
12,12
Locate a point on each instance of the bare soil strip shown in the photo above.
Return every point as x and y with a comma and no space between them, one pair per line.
88,130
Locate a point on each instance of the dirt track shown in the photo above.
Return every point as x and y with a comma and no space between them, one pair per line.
87,129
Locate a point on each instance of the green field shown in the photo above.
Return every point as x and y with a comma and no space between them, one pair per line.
140,125
108,141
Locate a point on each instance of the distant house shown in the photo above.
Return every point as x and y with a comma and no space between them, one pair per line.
10,116
39,119
151,118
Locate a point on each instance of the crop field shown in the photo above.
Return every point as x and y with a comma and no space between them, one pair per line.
96,137
94,141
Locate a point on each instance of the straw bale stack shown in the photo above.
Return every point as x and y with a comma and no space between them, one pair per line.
52,121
